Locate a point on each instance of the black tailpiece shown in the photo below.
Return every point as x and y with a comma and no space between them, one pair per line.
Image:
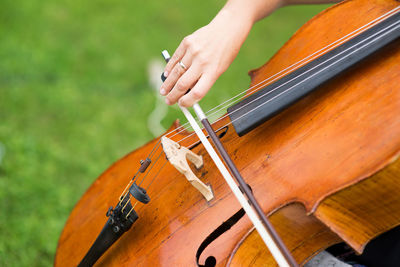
119,222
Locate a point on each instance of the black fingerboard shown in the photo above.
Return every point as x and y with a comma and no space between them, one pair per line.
272,99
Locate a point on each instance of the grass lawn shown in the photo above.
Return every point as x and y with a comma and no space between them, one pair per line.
75,97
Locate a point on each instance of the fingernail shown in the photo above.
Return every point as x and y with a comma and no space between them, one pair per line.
162,91
165,74
167,101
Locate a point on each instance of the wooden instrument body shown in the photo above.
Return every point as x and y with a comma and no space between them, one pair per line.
324,170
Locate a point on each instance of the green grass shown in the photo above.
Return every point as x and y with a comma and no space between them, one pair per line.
74,97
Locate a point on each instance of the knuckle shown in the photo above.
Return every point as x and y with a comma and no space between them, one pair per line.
167,83
202,59
187,41
170,101
198,94
185,103
195,50
168,67
181,86
170,64
176,71
171,97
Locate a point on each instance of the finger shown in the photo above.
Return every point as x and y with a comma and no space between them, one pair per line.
185,82
201,88
175,74
176,57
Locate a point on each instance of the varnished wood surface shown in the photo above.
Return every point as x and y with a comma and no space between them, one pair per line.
365,210
304,236
334,138
358,213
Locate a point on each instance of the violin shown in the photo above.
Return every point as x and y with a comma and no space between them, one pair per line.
316,138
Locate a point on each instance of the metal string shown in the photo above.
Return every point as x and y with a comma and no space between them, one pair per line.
289,69
269,92
261,85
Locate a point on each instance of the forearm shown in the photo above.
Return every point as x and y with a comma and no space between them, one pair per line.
254,10
238,17
250,11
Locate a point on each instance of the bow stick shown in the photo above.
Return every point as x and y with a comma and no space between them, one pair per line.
250,205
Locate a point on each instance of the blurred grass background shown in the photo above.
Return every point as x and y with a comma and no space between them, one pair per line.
75,97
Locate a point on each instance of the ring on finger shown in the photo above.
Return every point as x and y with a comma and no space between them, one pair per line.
182,65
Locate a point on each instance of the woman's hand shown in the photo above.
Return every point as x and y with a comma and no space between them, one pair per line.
204,55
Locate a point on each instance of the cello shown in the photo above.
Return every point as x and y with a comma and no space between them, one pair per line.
316,137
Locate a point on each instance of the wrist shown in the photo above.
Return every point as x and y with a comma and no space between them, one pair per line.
230,16
250,13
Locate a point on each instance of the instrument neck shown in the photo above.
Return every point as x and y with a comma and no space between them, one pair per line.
272,99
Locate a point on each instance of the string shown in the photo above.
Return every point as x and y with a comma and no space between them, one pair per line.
284,83
261,85
152,180
271,91
125,192
309,77
148,186
289,68
156,145
151,168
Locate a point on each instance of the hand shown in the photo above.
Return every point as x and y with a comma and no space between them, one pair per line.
205,55
208,52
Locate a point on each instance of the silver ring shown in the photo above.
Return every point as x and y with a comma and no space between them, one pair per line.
182,65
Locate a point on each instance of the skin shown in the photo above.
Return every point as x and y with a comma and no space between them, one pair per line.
209,51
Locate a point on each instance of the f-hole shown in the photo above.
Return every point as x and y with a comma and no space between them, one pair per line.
224,227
